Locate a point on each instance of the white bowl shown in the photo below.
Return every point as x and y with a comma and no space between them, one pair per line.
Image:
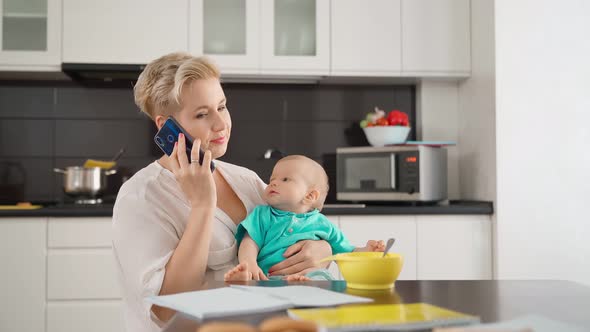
386,135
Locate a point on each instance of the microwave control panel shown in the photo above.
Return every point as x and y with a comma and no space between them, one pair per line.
408,172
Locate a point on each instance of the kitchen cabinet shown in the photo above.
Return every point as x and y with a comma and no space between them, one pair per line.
30,35
123,32
74,316
436,37
22,282
435,247
278,37
227,31
366,38
295,37
360,229
79,254
419,38
454,247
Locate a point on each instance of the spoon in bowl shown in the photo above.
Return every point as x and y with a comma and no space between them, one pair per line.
388,246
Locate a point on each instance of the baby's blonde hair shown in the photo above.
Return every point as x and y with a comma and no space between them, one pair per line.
317,177
158,88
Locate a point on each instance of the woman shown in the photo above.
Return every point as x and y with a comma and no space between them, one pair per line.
174,221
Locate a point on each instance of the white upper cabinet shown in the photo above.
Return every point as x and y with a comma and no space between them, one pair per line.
366,37
227,32
436,37
125,32
30,34
295,37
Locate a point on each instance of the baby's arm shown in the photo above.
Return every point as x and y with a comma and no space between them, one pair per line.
248,253
372,245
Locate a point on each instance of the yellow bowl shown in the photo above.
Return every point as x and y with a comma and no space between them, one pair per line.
369,270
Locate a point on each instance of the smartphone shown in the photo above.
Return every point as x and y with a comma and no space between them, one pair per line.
168,135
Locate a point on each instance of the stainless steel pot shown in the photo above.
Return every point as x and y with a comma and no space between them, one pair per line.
82,181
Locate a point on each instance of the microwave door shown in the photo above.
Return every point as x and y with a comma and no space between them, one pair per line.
368,173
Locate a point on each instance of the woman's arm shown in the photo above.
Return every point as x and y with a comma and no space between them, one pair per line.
185,271
303,257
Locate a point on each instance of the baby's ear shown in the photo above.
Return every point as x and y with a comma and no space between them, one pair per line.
312,196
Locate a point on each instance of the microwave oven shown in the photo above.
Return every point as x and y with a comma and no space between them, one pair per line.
391,173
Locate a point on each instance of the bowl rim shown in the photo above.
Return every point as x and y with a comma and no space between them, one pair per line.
348,257
387,127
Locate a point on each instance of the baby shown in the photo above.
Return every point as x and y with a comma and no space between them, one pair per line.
295,195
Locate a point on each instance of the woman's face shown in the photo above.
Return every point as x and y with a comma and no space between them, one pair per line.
204,115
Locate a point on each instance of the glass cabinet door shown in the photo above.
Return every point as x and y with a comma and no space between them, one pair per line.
295,36
24,25
29,32
227,32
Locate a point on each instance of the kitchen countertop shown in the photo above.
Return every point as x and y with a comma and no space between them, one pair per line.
448,208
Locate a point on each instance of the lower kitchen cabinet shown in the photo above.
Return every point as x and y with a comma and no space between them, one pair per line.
360,229
87,316
82,288
62,275
22,281
434,247
454,247
71,271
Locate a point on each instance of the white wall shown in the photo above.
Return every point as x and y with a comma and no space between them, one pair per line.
543,139
437,121
477,128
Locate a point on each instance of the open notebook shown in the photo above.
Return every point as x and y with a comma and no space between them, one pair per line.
241,300
383,317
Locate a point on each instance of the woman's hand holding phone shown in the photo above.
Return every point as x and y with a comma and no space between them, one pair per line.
196,181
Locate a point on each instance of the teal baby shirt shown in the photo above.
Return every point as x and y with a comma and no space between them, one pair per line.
275,230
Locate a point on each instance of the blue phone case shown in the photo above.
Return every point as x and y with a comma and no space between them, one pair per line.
168,135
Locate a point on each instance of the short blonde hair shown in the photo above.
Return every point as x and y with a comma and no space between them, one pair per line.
158,88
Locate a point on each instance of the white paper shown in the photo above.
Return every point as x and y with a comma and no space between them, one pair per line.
219,302
306,296
241,300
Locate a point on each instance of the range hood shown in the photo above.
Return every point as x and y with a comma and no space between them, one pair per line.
99,72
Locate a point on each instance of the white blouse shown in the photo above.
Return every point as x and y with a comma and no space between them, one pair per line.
149,218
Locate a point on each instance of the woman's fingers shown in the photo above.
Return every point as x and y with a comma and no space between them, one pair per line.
293,249
293,269
207,160
195,151
279,268
180,153
174,160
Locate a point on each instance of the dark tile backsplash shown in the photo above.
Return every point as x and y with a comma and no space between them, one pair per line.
48,125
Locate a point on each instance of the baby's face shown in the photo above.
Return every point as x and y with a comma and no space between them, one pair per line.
288,185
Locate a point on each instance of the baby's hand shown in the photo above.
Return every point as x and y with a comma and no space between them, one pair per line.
257,273
373,245
245,272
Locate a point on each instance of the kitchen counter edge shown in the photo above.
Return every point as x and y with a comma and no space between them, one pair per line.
453,208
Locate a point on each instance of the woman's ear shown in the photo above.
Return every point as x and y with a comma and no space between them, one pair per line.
160,120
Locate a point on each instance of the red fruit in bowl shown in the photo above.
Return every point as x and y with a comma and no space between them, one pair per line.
382,122
397,118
